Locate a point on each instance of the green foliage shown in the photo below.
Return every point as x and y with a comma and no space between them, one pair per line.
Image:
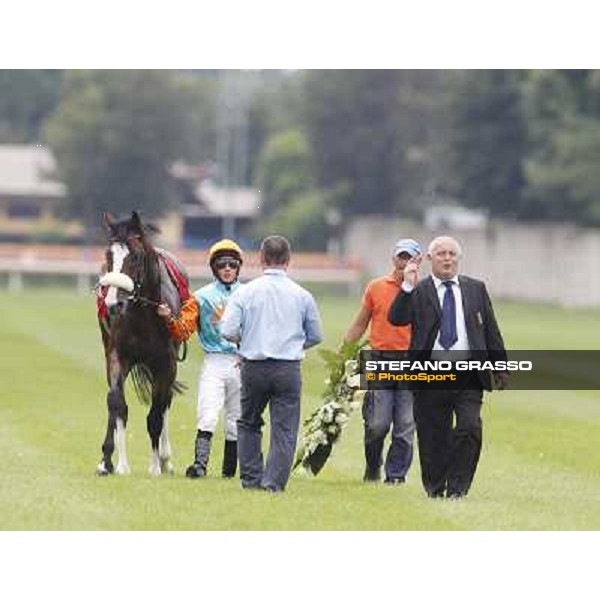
284,170
520,144
335,363
562,166
290,203
27,98
114,135
488,141
370,130
302,220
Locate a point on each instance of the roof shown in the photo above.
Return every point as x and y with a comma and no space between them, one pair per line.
27,170
230,201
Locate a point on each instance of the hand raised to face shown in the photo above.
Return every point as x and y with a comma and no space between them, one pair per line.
411,271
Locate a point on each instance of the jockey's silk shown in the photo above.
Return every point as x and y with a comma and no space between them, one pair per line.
183,326
212,299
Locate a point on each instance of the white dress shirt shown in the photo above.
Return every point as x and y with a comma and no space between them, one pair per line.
462,342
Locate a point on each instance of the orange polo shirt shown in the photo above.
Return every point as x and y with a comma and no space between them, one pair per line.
378,297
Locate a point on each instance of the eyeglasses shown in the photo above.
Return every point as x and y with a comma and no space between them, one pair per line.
223,263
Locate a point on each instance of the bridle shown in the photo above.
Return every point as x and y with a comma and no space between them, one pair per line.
139,267
136,296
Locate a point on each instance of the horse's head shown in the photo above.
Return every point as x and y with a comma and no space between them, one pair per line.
130,262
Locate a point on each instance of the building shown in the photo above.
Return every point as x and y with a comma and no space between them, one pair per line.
31,199
210,212
30,196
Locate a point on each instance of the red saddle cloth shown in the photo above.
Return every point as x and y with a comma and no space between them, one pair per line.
177,277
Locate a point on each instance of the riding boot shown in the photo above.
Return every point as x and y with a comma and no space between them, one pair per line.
230,459
202,452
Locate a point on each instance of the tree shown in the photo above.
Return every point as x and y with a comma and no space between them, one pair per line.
28,97
114,135
563,109
371,134
289,201
350,120
284,170
487,146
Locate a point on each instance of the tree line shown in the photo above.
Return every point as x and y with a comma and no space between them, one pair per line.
322,145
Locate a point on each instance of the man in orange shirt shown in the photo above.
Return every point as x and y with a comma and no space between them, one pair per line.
393,407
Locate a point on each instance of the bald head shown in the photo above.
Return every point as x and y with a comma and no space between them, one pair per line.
444,240
444,253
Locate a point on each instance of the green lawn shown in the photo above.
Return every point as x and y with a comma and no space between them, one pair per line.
540,466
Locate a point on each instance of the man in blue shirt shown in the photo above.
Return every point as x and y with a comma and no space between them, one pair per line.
273,319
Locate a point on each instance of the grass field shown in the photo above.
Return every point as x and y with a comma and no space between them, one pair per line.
540,465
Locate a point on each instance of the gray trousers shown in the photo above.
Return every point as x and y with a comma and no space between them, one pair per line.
277,383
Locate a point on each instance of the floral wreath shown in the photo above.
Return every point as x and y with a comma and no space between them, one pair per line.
342,396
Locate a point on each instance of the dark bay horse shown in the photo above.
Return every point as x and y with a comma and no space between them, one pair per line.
137,277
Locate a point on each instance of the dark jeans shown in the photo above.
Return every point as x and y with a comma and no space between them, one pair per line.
449,431
383,409
277,383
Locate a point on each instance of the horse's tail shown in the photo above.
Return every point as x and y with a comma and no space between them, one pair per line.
178,387
143,383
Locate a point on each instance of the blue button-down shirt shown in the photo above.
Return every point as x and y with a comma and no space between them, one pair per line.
272,317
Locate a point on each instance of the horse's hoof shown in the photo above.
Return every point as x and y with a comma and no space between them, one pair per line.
166,466
154,471
123,470
102,470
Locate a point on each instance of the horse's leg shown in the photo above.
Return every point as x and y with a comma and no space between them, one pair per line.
105,466
155,426
164,446
117,421
164,450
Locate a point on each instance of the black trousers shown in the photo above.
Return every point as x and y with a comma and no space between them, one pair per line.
449,434
277,383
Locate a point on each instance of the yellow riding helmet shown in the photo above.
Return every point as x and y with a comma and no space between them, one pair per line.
225,246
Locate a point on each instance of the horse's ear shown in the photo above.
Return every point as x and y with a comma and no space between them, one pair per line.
108,220
136,222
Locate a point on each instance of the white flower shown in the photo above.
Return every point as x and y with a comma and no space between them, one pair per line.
341,418
350,367
332,429
306,472
354,381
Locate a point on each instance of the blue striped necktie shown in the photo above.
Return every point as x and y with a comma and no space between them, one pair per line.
448,335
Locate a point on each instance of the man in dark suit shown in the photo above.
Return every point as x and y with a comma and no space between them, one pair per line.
452,312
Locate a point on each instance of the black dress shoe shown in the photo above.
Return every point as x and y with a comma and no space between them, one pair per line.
455,495
435,495
271,489
394,480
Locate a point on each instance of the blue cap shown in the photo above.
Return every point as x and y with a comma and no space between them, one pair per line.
407,245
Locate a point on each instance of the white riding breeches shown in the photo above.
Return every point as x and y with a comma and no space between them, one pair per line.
219,387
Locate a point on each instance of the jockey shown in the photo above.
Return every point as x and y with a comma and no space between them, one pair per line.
219,382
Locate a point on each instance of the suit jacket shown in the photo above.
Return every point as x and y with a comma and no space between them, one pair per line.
421,309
